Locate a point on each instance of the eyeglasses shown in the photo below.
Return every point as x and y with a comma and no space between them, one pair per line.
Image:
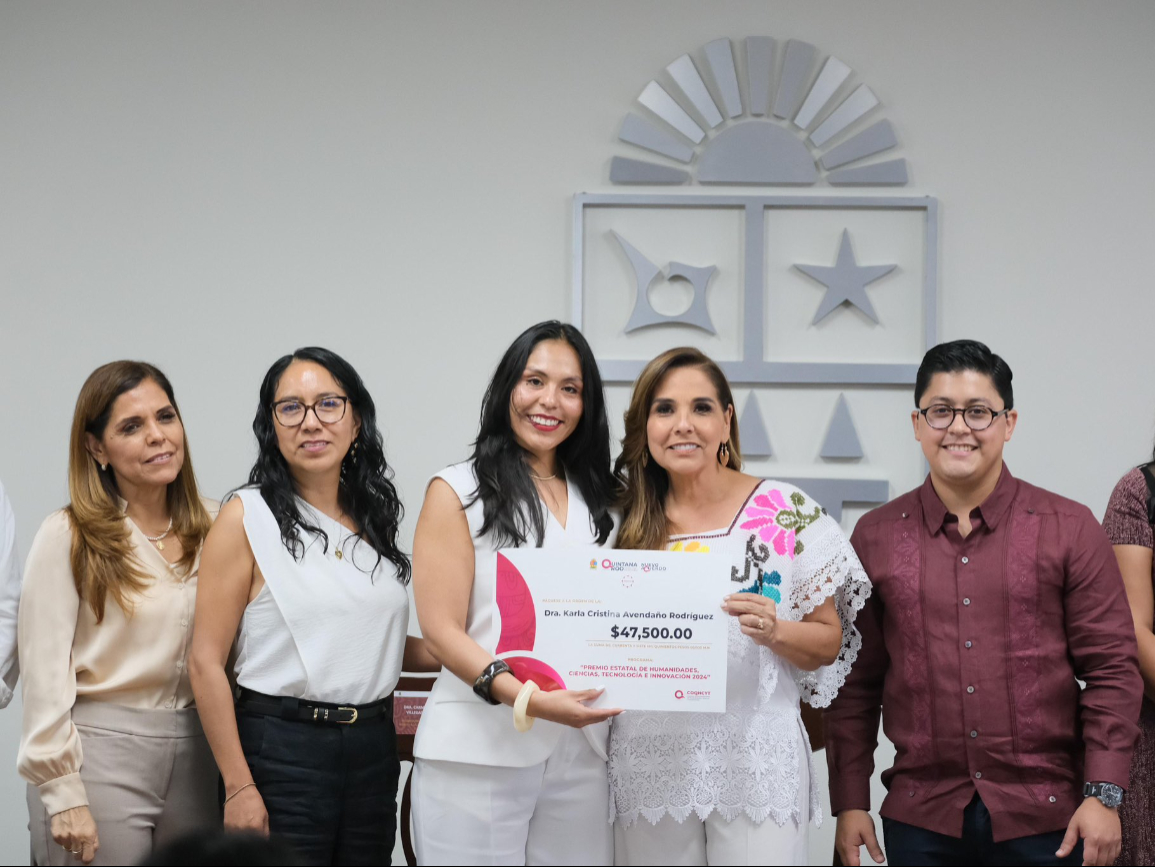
940,416
328,410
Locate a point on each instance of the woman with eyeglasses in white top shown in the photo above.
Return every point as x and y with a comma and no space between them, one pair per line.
304,579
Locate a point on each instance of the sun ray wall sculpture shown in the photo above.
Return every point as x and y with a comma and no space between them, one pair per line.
731,140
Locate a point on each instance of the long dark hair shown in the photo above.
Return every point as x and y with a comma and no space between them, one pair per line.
510,504
367,493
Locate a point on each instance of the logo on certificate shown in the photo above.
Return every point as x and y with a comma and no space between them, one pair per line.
679,694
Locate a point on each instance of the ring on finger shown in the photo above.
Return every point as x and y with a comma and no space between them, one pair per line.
761,624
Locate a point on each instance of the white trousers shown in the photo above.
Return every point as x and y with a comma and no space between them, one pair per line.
715,842
555,812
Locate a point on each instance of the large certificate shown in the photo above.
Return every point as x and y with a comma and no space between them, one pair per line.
646,625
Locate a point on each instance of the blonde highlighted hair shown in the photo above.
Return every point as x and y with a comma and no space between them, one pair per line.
643,483
103,561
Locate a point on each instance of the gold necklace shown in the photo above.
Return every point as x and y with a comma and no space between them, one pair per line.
546,491
338,553
156,540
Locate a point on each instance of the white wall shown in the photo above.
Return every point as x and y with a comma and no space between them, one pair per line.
210,185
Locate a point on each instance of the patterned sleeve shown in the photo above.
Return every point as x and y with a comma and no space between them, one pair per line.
826,566
1126,517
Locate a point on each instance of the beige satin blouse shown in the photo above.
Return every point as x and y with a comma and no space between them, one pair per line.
138,660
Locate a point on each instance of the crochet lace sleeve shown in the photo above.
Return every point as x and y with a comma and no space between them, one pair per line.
827,567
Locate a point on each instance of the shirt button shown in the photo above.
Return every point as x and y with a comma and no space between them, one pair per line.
184,623
168,703
978,775
966,600
904,515
966,560
912,794
974,734
1052,799
179,665
968,644
970,689
1030,511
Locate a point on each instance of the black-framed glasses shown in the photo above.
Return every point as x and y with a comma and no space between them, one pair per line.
940,416
291,412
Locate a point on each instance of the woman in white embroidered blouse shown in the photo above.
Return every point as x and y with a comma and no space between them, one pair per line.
111,744
730,788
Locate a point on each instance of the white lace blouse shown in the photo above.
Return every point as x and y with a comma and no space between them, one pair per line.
784,545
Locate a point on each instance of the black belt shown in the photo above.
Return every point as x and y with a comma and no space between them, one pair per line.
311,711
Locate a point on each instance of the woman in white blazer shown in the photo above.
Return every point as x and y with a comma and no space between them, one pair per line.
485,792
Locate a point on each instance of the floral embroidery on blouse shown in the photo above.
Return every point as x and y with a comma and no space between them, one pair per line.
778,523
691,547
770,585
756,555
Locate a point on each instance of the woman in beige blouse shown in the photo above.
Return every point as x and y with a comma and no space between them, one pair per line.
111,744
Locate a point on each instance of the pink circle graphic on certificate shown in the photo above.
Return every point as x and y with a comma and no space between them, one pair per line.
515,603
527,668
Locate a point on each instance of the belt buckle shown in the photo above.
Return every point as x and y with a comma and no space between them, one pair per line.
349,721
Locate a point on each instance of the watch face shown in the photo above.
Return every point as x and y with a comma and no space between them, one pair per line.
1108,793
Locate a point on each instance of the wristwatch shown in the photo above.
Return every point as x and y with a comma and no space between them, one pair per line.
1110,794
483,686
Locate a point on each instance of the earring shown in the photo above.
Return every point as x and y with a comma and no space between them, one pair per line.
724,453
353,451
103,467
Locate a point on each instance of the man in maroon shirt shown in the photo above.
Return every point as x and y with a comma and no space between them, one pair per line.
991,596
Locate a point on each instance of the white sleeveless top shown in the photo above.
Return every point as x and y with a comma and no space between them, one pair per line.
457,726
322,628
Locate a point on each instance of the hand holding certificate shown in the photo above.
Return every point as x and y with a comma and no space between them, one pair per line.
644,625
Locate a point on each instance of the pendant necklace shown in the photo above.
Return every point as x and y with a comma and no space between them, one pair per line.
337,552
156,540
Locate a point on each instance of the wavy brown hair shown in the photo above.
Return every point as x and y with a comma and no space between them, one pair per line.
103,561
643,483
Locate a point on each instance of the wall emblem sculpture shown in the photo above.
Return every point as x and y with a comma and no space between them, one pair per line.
814,293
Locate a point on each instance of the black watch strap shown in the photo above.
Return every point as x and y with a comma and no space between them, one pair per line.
1108,793
483,686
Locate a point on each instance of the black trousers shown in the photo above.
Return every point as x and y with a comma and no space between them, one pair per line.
330,789
907,844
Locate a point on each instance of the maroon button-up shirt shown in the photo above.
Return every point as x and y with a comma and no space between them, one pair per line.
973,646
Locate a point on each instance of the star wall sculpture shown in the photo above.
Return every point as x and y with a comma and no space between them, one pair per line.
845,281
